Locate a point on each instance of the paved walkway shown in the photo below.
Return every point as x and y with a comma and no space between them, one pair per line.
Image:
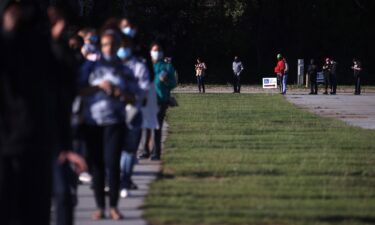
145,172
353,109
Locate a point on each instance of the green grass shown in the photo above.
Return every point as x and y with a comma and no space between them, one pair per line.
256,159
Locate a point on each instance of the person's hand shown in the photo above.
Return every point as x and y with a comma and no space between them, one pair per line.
78,162
106,86
164,76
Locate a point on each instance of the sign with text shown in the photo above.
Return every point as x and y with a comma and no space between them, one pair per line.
270,82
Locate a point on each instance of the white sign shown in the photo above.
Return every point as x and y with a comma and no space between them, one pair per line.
270,82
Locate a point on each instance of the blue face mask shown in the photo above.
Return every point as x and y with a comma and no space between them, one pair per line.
128,31
124,53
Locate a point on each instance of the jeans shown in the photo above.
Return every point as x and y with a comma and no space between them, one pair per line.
65,195
104,144
158,132
284,81
313,84
333,82
128,155
200,81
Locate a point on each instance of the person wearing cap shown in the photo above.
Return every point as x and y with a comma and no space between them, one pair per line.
280,72
200,69
326,73
237,67
357,69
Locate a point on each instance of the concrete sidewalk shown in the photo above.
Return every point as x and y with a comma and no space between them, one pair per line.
145,173
356,110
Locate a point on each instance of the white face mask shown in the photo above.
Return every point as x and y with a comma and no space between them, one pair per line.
156,55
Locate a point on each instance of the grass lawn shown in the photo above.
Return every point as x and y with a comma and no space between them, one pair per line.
256,159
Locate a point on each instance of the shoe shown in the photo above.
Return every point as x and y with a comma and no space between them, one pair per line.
144,156
114,214
155,158
311,93
333,93
133,186
98,215
325,93
85,177
124,193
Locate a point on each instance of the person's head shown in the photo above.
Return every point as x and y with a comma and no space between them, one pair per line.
90,36
355,60
126,48
279,57
156,52
109,44
76,42
199,60
327,61
127,27
236,58
17,18
312,61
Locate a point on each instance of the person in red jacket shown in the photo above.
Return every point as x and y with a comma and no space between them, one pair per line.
280,70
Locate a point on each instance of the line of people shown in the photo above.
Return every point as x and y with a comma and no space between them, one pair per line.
97,89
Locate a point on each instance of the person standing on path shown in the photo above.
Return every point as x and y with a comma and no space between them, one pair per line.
105,88
326,73
312,71
357,70
165,81
333,76
237,67
280,71
200,70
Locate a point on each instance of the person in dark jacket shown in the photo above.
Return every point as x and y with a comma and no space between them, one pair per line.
312,71
357,70
333,76
33,128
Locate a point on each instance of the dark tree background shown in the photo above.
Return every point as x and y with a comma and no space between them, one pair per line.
256,30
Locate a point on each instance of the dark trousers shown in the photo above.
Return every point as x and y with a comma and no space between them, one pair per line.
333,83
104,145
313,85
326,81
357,85
65,195
200,81
25,188
236,83
156,153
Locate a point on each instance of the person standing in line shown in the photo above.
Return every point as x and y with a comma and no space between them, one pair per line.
326,73
133,132
105,89
312,71
333,76
165,81
357,70
280,70
237,68
200,69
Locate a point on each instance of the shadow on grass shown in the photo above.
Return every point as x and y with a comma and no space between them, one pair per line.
340,219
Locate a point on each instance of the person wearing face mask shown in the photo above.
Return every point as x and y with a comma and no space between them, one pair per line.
165,81
133,132
127,28
105,90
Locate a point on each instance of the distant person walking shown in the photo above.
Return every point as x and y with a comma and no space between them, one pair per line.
333,76
326,73
357,70
237,67
280,72
312,71
200,70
